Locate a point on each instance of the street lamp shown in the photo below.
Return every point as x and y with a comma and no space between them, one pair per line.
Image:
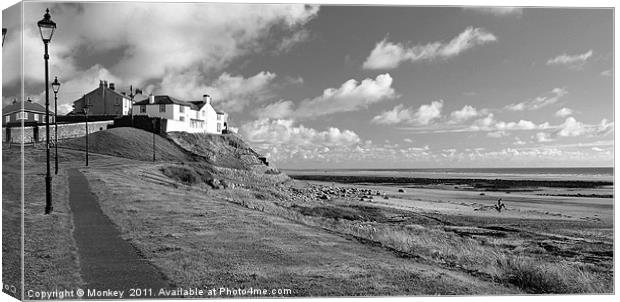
85,109
154,125
46,28
132,94
56,88
3,35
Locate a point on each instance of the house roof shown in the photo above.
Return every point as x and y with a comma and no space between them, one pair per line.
165,99
28,106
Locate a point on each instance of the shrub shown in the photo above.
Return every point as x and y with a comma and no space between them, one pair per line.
182,174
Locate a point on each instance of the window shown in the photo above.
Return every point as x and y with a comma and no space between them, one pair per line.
142,108
21,115
36,117
219,117
181,109
117,101
7,118
182,118
219,127
162,107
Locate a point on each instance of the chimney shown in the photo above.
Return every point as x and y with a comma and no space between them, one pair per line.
105,84
112,86
100,83
207,99
151,99
14,101
29,100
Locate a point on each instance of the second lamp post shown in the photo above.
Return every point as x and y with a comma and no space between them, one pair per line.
56,88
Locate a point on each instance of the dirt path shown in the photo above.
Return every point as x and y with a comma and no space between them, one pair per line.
106,260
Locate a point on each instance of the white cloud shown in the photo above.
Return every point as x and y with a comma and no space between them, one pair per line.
542,137
424,115
407,140
496,10
150,41
388,55
230,93
564,112
350,96
607,73
541,101
296,38
464,114
488,123
571,61
497,134
571,127
282,139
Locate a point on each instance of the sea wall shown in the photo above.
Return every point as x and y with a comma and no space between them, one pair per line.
35,134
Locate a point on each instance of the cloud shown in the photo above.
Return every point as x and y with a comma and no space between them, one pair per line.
350,96
542,137
488,123
571,61
144,43
291,41
571,128
464,114
498,134
388,55
283,139
541,101
607,73
496,10
230,93
424,115
564,112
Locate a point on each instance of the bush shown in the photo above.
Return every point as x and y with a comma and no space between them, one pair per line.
182,174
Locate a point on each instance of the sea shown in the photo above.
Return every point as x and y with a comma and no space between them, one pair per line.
581,173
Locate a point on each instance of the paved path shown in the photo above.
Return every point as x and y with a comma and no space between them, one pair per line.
106,260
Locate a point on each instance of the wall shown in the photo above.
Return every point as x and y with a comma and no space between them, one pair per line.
64,131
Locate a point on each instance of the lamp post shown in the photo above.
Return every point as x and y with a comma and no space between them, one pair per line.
56,88
46,28
132,94
154,122
3,35
85,109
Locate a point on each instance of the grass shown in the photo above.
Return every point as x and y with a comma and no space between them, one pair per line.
248,237
50,254
532,271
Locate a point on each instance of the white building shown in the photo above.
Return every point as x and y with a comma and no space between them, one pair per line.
193,117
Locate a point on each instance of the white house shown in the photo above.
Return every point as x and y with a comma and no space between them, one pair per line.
193,117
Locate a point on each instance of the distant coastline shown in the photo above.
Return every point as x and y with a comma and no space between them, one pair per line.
604,174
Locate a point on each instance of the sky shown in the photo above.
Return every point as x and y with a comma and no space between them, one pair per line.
348,86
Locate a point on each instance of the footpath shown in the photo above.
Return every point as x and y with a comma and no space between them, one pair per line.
107,262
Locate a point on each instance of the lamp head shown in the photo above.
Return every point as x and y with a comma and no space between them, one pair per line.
46,27
55,85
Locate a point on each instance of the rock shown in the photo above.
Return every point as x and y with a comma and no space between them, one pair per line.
325,197
385,197
401,190
214,183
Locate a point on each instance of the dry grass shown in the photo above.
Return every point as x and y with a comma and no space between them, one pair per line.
523,270
50,254
199,237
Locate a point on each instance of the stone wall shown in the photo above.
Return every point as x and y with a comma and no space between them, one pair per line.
34,134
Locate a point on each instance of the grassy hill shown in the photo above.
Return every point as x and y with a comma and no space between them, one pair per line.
208,155
132,143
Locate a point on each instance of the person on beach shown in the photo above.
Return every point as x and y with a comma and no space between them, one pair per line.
500,205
